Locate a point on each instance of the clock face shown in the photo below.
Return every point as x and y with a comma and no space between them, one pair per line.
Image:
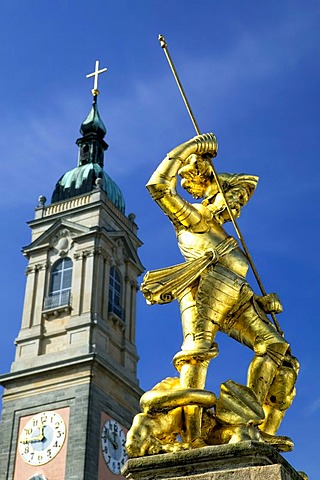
113,440
42,438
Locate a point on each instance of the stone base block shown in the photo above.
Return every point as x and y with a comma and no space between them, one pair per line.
241,461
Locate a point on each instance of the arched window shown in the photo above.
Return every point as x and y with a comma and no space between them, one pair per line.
38,477
115,293
60,284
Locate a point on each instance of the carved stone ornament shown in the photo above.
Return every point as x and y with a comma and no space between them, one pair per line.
62,242
119,253
35,267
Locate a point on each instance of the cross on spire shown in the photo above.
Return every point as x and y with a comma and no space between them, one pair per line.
95,74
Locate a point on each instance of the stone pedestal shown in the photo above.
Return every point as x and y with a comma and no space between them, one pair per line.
242,461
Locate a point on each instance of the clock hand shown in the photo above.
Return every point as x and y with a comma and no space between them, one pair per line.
39,438
113,442
32,440
25,440
41,429
36,439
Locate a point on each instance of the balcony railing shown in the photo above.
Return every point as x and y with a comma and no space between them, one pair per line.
56,300
117,310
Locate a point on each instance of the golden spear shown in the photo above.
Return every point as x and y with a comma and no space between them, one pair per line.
164,46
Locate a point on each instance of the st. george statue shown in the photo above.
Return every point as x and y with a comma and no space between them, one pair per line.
213,293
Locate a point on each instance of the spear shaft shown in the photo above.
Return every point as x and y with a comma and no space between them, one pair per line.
164,46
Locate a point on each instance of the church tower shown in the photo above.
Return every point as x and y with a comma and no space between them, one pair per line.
72,389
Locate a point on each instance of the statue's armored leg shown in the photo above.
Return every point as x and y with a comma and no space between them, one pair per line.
205,306
198,332
271,375
280,395
202,308
264,367
192,361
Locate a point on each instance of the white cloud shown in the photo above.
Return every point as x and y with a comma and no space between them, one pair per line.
313,407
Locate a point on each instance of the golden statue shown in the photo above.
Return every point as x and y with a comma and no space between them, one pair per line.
214,296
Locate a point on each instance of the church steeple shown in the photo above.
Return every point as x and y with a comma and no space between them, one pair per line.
74,376
92,146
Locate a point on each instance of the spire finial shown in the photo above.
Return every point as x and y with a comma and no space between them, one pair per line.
95,74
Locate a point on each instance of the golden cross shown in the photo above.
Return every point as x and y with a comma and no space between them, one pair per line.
95,74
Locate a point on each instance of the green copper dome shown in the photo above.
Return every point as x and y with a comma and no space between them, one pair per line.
82,179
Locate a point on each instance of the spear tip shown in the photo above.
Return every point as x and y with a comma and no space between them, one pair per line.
162,41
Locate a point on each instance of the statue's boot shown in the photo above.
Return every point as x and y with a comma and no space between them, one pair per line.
278,400
280,442
273,385
193,370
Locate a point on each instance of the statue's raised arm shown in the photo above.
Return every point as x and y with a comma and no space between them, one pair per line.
186,157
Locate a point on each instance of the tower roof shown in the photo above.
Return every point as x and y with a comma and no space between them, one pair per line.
92,146
82,179
93,122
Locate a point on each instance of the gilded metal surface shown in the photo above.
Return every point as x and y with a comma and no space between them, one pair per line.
214,295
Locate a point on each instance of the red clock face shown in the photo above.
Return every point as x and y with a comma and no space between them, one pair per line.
42,438
42,446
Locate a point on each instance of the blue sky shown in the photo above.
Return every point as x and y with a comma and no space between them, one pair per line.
252,74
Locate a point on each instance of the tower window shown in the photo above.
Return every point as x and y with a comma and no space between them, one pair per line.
115,293
84,154
60,284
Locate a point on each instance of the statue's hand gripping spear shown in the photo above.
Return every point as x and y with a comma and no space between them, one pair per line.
164,46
